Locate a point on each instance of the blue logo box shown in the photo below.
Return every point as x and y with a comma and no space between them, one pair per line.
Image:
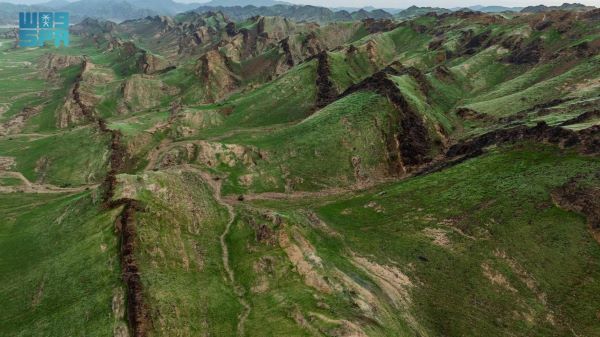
36,28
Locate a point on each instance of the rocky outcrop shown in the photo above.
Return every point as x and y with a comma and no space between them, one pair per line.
90,27
142,92
50,64
79,104
151,64
326,92
216,77
411,144
576,7
376,26
137,314
285,46
526,53
581,194
311,45
16,123
587,140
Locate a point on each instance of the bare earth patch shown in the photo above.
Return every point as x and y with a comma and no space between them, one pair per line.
304,258
497,278
439,236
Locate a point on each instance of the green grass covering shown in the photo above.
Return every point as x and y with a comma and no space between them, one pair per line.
477,249
351,127
10,181
180,257
419,102
349,69
59,266
134,124
525,91
21,83
288,98
501,204
70,158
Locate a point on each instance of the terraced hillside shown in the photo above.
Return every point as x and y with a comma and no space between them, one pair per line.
196,176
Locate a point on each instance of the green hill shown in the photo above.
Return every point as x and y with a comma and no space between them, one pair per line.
209,174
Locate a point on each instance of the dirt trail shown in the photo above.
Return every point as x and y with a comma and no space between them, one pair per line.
29,187
168,144
293,195
216,187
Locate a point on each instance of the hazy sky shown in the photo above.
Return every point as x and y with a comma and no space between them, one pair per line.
402,4
437,3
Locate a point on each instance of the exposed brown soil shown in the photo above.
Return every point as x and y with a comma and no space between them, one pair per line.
116,160
151,64
218,79
577,197
87,112
470,114
584,117
587,141
50,64
76,108
16,123
285,45
326,92
526,53
375,26
137,313
230,29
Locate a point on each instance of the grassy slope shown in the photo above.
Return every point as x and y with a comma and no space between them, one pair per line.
180,257
352,126
288,98
73,158
503,201
494,211
59,266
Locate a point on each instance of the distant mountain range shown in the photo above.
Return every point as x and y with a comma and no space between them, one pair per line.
120,10
296,12
491,9
577,7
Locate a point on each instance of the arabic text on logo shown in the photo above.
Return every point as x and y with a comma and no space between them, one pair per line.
36,28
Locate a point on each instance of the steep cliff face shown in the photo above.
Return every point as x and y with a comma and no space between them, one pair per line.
326,92
79,103
151,64
215,75
50,64
140,92
416,139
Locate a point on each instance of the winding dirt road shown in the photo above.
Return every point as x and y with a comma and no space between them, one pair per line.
239,291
